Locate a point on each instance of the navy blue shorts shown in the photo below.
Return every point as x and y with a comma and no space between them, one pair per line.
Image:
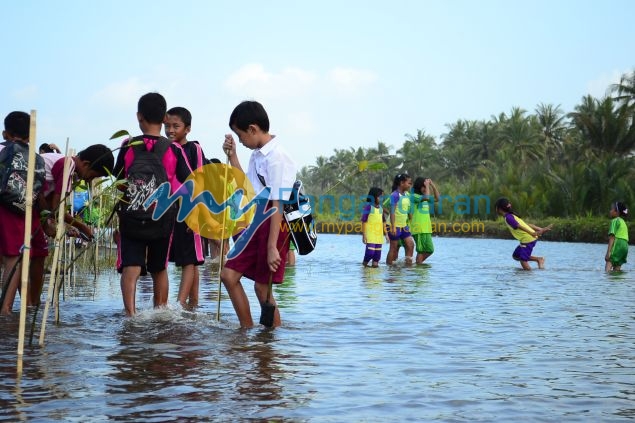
523,251
150,255
187,246
400,233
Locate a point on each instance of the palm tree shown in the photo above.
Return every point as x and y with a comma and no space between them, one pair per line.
625,90
418,153
521,133
605,127
553,124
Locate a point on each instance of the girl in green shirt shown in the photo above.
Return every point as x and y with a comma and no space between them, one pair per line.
618,238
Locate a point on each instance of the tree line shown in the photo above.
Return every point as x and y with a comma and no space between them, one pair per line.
549,163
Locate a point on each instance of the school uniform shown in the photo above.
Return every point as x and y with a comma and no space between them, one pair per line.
273,165
187,245
12,232
150,254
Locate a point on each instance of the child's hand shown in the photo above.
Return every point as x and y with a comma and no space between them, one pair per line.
364,238
273,258
49,227
229,146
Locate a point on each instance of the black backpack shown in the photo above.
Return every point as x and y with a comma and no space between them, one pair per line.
14,164
144,176
298,215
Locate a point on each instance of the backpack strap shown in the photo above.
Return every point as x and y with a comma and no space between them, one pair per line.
261,179
160,146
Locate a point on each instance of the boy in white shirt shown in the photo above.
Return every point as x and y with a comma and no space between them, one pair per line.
264,256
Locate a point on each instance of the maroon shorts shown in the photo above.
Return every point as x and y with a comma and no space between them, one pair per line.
12,235
252,261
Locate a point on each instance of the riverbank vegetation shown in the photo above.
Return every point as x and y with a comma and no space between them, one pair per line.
553,165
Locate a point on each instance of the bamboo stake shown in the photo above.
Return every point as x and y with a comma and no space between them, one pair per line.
221,260
99,230
59,237
26,252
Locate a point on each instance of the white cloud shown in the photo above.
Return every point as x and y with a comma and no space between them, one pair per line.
351,80
122,94
600,86
26,93
253,81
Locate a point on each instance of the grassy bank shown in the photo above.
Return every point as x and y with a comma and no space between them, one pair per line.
579,229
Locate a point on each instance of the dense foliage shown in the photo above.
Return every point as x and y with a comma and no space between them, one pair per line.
549,163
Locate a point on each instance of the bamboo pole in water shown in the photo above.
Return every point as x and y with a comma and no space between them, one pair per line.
68,246
26,252
99,231
221,259
59,237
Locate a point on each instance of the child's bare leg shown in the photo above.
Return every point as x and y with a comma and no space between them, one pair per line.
525,265
129,276
608,266
12,288
375,264
187,280
231,280
421,257
261,292
409,246
392,252
193,300
539,260
160,286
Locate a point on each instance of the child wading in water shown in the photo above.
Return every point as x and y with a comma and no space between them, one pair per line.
373,228
618,238
526,233
399,203
420,223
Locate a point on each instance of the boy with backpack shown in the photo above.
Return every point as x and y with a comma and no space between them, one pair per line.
146,161
186,250
13,170
264,257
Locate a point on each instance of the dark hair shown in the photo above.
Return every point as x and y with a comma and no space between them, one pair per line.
152,107
399,179
621,208
418,184
100,157
505,205
214,160
46,148
249,113
17,124
183,113
373,193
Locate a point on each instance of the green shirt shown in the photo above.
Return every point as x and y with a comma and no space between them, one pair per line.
420,222
619,229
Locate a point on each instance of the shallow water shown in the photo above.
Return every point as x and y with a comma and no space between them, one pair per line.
466,337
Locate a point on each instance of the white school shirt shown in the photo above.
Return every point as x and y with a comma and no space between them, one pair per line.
273,163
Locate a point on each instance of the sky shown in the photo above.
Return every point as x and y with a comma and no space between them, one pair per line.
331,74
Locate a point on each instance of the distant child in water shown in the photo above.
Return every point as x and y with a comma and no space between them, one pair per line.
399,214
618,238
423,198
373,227
526,233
